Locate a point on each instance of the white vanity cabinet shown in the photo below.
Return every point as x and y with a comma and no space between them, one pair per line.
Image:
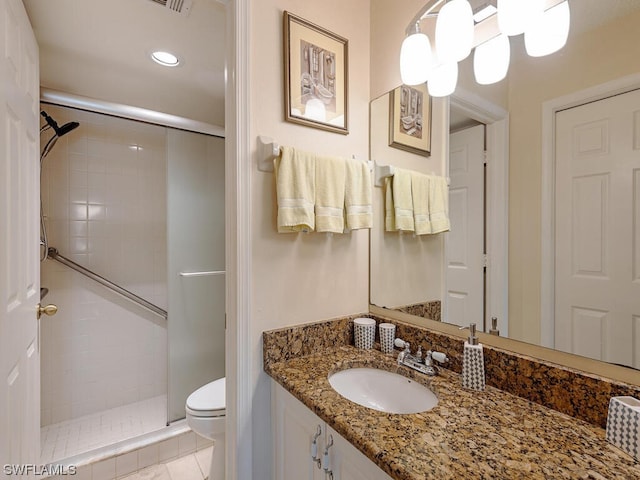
294,429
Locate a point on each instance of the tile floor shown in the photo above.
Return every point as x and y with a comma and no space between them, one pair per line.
72,437
190,467
185,456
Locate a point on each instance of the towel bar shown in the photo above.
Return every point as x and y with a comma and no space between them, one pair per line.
383,171
269,149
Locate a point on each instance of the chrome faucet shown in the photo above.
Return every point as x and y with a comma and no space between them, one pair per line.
427,366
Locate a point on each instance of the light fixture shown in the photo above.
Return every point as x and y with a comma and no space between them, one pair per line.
484,12
454,31
491,60
165,58
549,34
544,22
443,80
415,58
515,16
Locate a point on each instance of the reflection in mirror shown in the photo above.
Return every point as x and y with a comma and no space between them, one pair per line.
573,276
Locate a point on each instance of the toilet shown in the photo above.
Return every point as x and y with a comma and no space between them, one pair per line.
206,416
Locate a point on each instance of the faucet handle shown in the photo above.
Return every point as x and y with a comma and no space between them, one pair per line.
398,342
438,357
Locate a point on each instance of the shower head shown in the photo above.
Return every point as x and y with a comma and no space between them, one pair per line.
66,128
60,131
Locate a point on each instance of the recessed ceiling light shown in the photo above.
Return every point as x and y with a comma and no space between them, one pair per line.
165,58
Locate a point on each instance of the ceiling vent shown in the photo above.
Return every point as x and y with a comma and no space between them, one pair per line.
183,7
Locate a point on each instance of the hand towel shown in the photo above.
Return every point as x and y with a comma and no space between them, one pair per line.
402,201
420,196
358,195
439,204
389,209
295,172
330,191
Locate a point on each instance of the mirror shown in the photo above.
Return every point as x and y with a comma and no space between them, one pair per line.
410,273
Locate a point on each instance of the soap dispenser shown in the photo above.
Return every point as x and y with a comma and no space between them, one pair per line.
473,362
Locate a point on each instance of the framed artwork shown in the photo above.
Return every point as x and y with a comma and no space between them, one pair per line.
315,75
410,119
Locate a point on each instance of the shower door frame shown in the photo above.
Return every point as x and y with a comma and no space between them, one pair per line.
127,112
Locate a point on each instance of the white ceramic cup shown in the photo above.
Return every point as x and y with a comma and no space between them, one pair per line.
387,336
364,332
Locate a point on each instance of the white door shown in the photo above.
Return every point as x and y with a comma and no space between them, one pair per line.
597,277
19,238
464,245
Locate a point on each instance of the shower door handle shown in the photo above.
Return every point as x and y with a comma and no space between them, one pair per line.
48,310
202,274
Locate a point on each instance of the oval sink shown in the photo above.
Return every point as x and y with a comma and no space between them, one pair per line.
384,391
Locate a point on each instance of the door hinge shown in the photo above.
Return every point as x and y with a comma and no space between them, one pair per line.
485,260
485,154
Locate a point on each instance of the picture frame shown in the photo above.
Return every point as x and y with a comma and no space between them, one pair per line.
315,75
410,119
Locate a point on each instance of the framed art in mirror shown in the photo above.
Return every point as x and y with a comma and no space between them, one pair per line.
410,119
315,75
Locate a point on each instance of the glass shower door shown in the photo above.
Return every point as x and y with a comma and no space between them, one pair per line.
196,263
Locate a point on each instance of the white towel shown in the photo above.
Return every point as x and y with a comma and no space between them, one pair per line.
295,188
402,201
439,204
358,195
420,188
330,191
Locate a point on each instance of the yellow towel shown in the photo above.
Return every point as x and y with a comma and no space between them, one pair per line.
330,189
295,187
420,196
358,197
389,209
402,201
439,204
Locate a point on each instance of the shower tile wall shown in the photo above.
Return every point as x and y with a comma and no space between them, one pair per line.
104,198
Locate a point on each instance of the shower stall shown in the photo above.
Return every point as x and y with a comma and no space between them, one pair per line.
133,249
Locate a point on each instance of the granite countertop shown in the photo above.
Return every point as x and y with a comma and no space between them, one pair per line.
468,435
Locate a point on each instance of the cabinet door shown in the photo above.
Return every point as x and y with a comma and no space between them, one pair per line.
348,463
294,427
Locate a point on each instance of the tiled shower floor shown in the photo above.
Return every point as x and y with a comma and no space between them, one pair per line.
72,437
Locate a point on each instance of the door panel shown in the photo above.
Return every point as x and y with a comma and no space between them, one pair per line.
19,237
597,229
464,251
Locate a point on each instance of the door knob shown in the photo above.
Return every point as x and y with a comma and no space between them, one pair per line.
48,310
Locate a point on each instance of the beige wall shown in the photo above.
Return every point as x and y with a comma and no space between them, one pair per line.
415,276
389,19
405,268
587,60
300,278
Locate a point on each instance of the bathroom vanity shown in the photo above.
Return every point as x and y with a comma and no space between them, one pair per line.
490,434
296,428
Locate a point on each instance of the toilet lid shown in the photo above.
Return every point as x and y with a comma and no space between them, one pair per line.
208,397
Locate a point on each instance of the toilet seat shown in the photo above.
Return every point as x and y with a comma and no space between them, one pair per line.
208,401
